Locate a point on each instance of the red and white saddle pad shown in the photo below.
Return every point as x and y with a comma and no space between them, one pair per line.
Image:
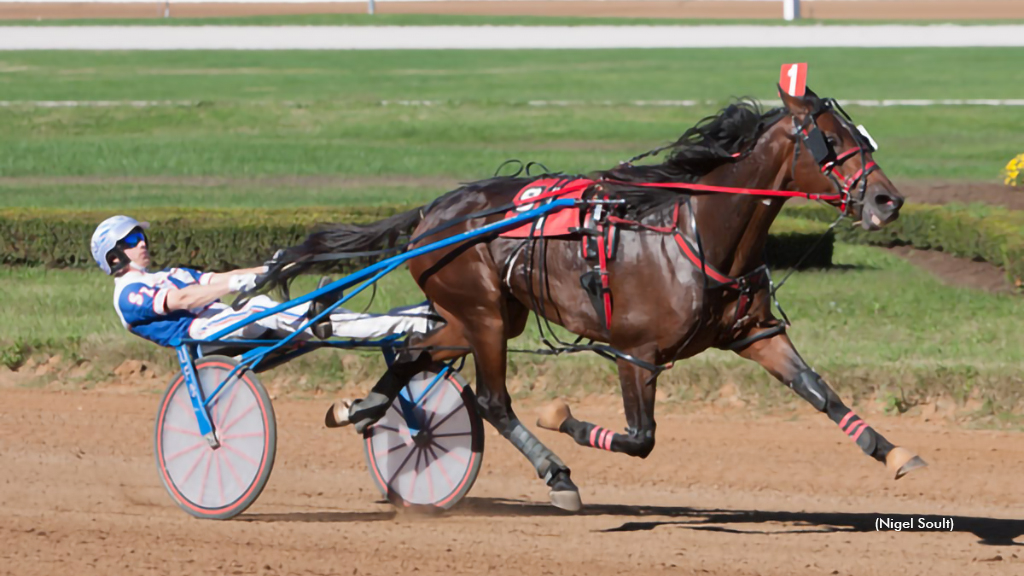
540,192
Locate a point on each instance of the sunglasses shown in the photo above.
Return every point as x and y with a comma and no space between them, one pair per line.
133,239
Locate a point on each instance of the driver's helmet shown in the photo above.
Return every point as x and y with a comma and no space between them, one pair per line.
105,239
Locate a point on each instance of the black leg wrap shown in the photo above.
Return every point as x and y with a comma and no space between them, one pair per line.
544,460
637,443
812,388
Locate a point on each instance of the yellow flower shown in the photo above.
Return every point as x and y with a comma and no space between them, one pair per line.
1012,172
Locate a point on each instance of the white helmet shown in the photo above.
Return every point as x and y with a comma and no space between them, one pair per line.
107,235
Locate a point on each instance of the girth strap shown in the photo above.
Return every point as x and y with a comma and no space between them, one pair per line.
596,229
747,285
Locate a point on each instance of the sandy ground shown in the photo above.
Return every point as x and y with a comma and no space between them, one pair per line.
726,492
830,10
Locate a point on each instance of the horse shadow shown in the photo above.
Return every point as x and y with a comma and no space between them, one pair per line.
989,531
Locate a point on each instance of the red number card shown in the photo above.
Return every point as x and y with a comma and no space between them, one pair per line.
794,79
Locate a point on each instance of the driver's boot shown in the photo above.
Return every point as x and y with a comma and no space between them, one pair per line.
323,328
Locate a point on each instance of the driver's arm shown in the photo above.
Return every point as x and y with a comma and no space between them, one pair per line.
223,277
196,295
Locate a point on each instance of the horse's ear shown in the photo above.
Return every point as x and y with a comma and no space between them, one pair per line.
797,106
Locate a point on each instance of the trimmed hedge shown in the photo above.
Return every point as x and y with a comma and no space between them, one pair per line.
203,239
226,239
977,232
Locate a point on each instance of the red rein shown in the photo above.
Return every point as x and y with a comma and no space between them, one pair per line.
730,190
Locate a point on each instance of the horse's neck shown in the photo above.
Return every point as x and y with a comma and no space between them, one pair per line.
734,228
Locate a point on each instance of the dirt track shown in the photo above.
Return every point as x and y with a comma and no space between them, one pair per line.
724,493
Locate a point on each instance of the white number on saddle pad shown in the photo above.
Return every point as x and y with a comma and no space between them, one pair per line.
528,194
794,78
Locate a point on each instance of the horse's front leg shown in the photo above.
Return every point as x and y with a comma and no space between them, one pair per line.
638,391
779,357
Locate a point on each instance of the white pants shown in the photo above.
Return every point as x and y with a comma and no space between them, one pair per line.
345,323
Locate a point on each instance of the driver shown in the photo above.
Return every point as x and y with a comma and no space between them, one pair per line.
185,303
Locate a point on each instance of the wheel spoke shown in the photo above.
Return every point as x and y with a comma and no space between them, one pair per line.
194,466
451,434
220,480
181,403
243,435
444,472
437,402
399,469
244,413
234,473
227,408
426,468
206,476
237,452
448,452
447,416
415,471
183,431
184,450
397,447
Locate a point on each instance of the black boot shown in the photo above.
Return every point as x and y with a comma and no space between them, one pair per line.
323,328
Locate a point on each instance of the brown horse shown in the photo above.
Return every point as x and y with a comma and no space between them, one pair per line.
668,305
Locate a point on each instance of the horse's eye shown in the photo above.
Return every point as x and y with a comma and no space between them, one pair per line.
832,141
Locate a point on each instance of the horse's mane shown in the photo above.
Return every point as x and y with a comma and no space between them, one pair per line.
715,140
712,142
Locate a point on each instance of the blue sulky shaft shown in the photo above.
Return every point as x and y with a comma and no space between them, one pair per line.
365,278
375,271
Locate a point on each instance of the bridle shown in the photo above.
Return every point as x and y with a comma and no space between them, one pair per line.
810,135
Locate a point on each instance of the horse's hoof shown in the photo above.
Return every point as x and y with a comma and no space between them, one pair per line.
337,414
553,415
900,461
568,500
564,494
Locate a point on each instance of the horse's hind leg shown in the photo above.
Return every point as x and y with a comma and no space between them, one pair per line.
638,392
780,358
490,349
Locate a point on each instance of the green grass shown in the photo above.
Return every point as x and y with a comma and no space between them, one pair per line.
364,151
868,327
274,114
464,20
505,75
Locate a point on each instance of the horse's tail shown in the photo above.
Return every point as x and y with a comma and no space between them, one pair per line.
361,237
348,242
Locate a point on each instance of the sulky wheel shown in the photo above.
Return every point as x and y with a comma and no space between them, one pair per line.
216,483
426,451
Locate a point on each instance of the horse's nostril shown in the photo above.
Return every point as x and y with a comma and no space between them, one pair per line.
887,202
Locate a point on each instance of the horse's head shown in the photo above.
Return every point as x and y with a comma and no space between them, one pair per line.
833,156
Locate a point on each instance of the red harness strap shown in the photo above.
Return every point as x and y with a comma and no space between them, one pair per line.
597,225
729,190
606,292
